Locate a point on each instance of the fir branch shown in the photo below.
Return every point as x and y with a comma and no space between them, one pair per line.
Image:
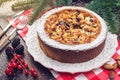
44,3
67,2
111,19
118,3
23,5
58,3
3,1
106,9
41,6
62,2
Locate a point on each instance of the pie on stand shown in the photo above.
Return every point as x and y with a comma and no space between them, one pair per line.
38,54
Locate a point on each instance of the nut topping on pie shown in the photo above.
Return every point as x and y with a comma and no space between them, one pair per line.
72,27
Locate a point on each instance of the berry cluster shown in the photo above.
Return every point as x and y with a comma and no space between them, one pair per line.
14,54
18,63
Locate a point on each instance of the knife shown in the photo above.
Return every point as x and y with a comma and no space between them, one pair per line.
9,25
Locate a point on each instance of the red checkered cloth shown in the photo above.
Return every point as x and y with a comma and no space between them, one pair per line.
22,32
96,74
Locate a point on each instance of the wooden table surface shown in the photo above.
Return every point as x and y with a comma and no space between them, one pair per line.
43,73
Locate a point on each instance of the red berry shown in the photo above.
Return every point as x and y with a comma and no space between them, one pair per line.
20,67
17,63
11,69
15,54
26,65
35,74
26,72
18,56
32,70
12,60
9,65
14,65
22,61
7,70
9,73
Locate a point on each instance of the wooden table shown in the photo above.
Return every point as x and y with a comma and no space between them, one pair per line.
43,73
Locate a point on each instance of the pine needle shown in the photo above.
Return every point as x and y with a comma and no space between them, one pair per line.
23,5
107,10
3,1
41,6
62,2
44,3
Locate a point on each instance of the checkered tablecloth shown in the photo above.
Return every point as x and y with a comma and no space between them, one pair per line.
96,74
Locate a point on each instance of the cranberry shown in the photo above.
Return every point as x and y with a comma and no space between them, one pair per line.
12,60
8,72
11,69
9,65
20,67
26,72
35,74
18,56
32,70
14,65
22,61
17,63
26,65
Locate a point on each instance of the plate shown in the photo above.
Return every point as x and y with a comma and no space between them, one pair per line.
39,56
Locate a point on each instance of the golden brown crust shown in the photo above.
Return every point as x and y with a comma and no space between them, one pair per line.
70,56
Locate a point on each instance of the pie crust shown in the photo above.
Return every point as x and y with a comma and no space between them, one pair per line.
71,53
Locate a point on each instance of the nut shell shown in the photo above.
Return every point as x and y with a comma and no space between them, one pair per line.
108,66
115,66
118,58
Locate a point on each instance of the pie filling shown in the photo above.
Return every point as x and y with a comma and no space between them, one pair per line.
72,27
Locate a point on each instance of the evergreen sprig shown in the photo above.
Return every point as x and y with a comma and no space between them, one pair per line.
38,5
62,2
3,1
45,3
23,5
41,6
109,10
